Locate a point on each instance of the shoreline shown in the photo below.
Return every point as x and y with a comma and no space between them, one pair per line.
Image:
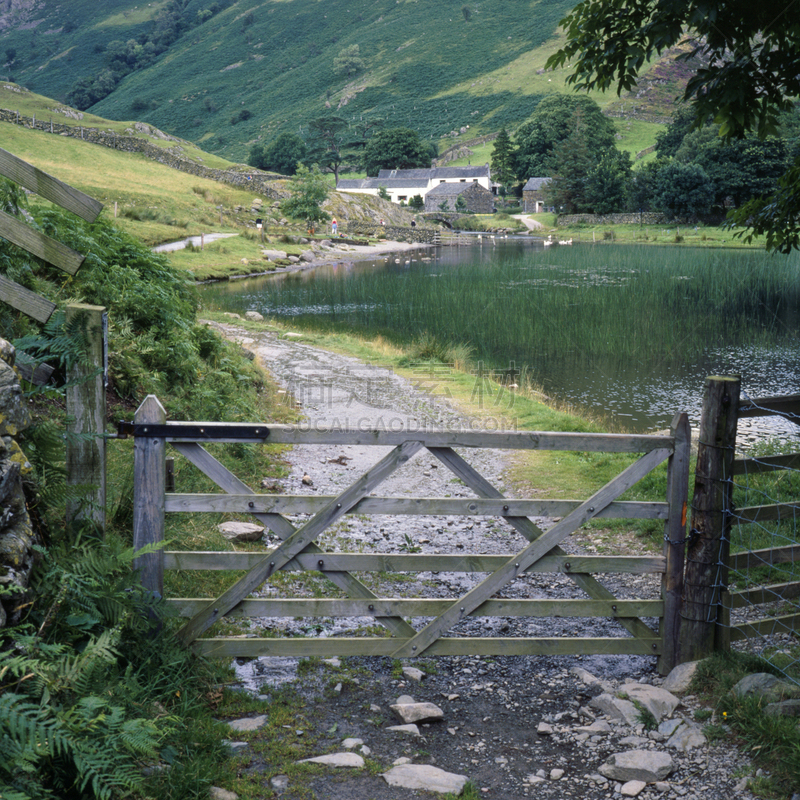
352,254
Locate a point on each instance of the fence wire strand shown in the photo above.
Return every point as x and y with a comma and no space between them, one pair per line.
764,587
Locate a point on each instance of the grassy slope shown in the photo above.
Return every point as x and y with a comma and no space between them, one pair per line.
425,66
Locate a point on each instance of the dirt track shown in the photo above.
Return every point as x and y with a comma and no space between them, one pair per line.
492,706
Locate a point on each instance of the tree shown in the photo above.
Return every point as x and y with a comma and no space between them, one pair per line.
416,202
395,148
751,52
608,182
683,190
571,163
503,158
328,140
554,120
461,204
349,61
283,155
309,190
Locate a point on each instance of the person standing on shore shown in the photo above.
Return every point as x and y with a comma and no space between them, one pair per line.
334,227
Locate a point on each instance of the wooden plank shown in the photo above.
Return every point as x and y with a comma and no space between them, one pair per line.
227,481
788,405
472,478
26,301
398,506
422,607
769,556
765,627
39,244
86,419
501,440
768,513
47,186
747,466
356,646
675,542
148,497
402,562
37,374
772,593
532,553
297,542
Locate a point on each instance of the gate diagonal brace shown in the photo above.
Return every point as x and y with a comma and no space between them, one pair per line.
281,526
530,555
297,542
531,531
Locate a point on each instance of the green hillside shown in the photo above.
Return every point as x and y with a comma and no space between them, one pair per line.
238,72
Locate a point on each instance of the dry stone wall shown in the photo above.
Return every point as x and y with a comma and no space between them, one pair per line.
645,218
248,178
373,230
17,537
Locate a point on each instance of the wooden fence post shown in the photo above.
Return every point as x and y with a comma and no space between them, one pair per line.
675,542
149,471
706,561
86,420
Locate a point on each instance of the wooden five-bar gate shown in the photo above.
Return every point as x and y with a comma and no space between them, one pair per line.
298,549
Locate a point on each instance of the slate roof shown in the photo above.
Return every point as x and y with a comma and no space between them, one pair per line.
534,184
436,173
451,189
376,183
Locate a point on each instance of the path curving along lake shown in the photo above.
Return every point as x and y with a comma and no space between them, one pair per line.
628,333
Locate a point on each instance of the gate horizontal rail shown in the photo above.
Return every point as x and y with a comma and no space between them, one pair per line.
298,550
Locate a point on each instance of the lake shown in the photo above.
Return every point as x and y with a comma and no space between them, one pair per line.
627,332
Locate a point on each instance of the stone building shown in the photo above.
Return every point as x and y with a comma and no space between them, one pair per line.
477,200
533,195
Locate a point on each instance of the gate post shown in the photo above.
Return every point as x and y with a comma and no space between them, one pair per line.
149,470
86,419
709,538
675,542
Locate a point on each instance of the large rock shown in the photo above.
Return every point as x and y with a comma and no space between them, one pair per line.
241,531
616,708
431,779
679,679
658,702
417,712
637,765
767,687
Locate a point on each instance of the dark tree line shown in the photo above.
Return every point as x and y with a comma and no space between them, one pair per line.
697,171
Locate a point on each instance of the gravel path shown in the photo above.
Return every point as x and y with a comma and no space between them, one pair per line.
493,706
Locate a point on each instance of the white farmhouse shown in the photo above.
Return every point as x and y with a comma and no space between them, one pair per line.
403,184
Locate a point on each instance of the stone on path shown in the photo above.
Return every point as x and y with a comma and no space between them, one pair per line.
413,674
248,723
657,701
420,776
616,708
686,737
350,743
677,682
637,765
411,730
253,316
236,531
336,760
632,788
215,793
417,712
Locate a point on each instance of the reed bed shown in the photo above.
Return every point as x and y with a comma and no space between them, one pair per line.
620,305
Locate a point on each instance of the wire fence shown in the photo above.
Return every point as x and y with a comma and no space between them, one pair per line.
760,611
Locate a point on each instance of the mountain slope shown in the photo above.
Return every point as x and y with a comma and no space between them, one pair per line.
228,73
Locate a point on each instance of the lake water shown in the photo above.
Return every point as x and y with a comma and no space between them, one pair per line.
627,332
